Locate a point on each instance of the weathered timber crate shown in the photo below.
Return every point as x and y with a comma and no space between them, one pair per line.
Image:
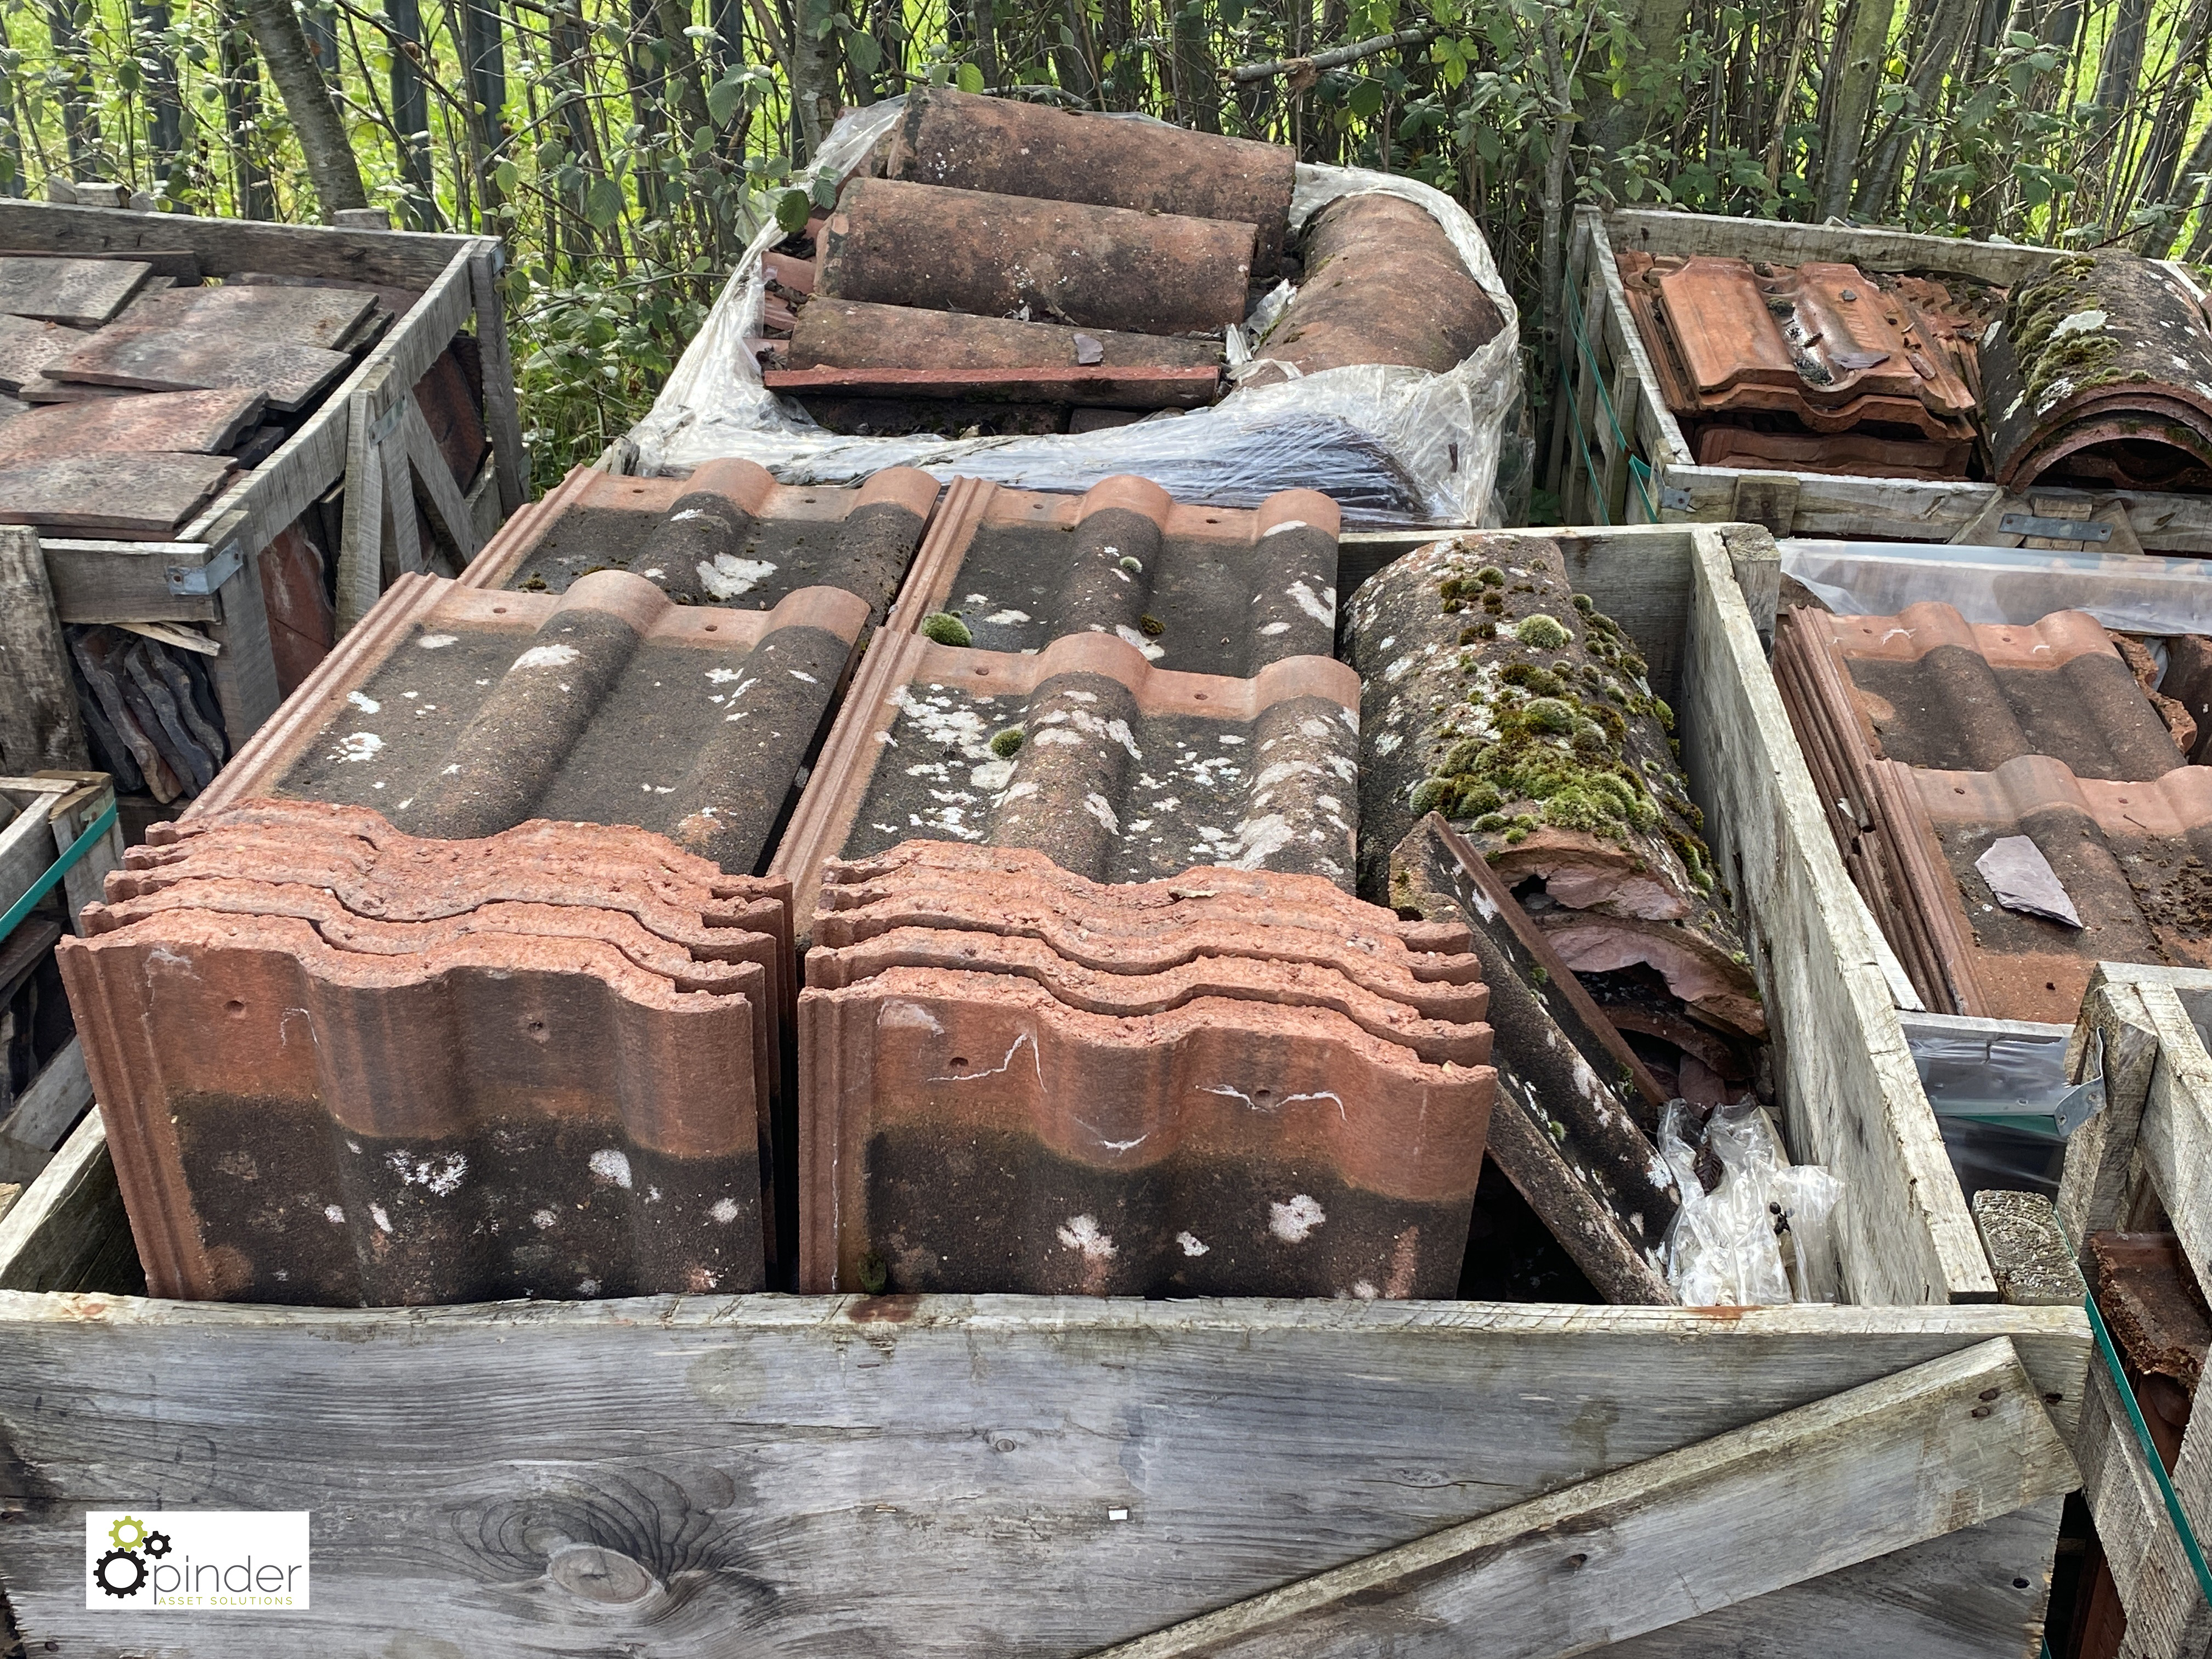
368,435
1053,1476
1639,465
2145,1162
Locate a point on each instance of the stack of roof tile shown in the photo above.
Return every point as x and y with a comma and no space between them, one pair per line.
728,534
1081,734
343,1065
456,711
1236,1083
2011,801
152,709
1813,367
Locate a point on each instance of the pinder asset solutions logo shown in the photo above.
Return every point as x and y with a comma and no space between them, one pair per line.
196,1560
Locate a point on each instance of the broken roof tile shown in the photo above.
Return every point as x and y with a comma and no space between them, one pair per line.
458,712
1117,769
1207,589
1221,1147
727,535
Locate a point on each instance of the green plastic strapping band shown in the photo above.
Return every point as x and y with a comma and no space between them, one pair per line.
60,867
2189,1544
1639,471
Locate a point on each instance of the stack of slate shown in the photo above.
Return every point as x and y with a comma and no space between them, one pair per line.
150,705
133,392
345,1066
1230,1083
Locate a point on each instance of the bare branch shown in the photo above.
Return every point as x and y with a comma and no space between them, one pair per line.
1334,57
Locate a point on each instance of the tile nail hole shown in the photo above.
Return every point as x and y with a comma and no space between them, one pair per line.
959,1063
499,611
2020,1584
712,627
234,1008
1200,696
982,672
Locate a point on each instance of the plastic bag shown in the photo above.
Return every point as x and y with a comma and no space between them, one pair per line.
1762,1235
1393,446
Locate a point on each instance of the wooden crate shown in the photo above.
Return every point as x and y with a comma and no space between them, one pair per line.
1639,467
368,434
2145,1162
1052,1476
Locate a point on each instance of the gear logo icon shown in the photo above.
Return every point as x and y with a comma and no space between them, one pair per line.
157,1544
131,1524
120,1572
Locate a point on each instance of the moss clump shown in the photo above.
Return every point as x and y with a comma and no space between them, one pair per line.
875,1273
1007,744
1490,822
1494,604
2081,357
1491,576
1535,681
1542,632
1130,564
1428,794
1551,715
943,627
1151,626
1583,602
1469,635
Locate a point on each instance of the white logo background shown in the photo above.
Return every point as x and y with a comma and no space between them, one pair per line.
195,1560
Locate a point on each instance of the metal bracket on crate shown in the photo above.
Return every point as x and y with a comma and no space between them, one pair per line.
2054,530
1672,499
198,581
385,424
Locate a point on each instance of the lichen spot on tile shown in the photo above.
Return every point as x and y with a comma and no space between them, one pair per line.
1192,1244
610,1165
358,746
725,1211
442,1174
1294,1221
548,656
362,701
543,1219
727,576
334,1214
438,641
1082,1233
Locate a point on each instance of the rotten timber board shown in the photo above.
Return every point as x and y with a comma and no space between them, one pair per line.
56,289
381,258
144,494
1010,1474
199,357
175,423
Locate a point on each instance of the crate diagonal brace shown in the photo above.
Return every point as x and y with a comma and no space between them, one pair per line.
1952,1443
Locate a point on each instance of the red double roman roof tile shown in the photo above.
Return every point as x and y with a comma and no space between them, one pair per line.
1932,739
727,535
458,712
979,1112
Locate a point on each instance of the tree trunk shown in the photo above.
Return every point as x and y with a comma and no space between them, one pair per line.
80,123
299,77
1935,52
649,108
813,74
1844,130
486,81
1198,95
1552,247
411,114
681,87
1615,123
1801,40
241,107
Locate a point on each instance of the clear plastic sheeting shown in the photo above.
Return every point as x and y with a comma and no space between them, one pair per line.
2133,592
2001,1098
1392,444
1764,1233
